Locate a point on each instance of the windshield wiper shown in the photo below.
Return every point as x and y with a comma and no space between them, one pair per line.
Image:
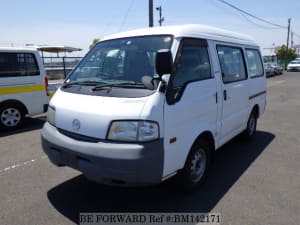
86,82
123,84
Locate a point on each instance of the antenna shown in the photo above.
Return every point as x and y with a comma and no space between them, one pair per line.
161,19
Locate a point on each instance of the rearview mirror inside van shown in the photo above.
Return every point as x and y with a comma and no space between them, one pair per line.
163,62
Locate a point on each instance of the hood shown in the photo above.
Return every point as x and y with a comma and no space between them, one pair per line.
94,113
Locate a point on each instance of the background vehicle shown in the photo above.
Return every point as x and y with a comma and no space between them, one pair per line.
169,95
294,66
270,71
23,86
277,68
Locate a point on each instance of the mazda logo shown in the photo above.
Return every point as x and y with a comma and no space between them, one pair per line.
76,124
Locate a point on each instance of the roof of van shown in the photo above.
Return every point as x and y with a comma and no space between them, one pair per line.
189,30
17,49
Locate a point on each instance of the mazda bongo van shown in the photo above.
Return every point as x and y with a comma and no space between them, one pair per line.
145,105
23,86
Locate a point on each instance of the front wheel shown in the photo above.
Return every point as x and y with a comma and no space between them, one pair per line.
11,116
192,176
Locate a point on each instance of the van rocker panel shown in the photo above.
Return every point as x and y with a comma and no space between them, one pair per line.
125,164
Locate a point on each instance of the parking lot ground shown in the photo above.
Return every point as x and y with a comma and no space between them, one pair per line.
256,182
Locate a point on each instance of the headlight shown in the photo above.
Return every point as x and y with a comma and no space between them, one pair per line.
51,115
133,131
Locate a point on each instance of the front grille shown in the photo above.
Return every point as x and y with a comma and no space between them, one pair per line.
79,137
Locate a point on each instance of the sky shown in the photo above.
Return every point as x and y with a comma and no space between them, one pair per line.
76,23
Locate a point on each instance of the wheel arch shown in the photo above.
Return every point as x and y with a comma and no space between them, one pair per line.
255,109
14,102
208,136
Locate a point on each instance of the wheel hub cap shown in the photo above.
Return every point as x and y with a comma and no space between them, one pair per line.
10,117
198,165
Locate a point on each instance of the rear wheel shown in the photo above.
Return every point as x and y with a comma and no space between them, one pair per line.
11,116
251,126
196,167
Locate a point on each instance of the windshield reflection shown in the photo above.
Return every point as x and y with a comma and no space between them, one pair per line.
121,60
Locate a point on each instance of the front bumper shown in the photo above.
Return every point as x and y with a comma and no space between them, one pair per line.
291,69
269,73
125,164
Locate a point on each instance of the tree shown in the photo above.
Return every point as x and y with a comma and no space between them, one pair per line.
282,53
94,42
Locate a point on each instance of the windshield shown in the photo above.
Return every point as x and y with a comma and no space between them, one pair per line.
121,60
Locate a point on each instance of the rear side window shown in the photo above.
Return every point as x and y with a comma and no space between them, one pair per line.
18,64
254,63
232,64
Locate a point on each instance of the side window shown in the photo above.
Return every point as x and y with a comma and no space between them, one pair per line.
254,63
18,64
27,64
193,65
232,64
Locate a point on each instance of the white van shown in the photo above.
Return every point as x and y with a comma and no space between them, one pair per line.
148,104
23,86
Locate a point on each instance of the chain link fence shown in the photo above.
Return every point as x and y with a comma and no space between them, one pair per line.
57,68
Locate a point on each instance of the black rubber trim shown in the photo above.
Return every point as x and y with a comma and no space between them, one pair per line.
79,137
119,92
258,94
45,108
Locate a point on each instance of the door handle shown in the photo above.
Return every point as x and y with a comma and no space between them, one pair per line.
225,95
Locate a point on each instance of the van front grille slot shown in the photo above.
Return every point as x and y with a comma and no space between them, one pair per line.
79,137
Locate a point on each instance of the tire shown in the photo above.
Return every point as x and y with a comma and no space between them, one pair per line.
11,116
251,126
194,173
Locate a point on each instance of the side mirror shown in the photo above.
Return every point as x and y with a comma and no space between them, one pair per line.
163,62
149,82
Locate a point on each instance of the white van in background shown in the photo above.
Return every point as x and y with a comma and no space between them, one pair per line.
23,86
145,105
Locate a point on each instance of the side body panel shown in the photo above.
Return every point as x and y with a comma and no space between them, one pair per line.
235,101
195,112
203,107
240,99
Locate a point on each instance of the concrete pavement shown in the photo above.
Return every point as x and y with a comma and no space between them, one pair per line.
250,183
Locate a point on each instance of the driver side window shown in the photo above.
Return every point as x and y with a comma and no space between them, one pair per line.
193,65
